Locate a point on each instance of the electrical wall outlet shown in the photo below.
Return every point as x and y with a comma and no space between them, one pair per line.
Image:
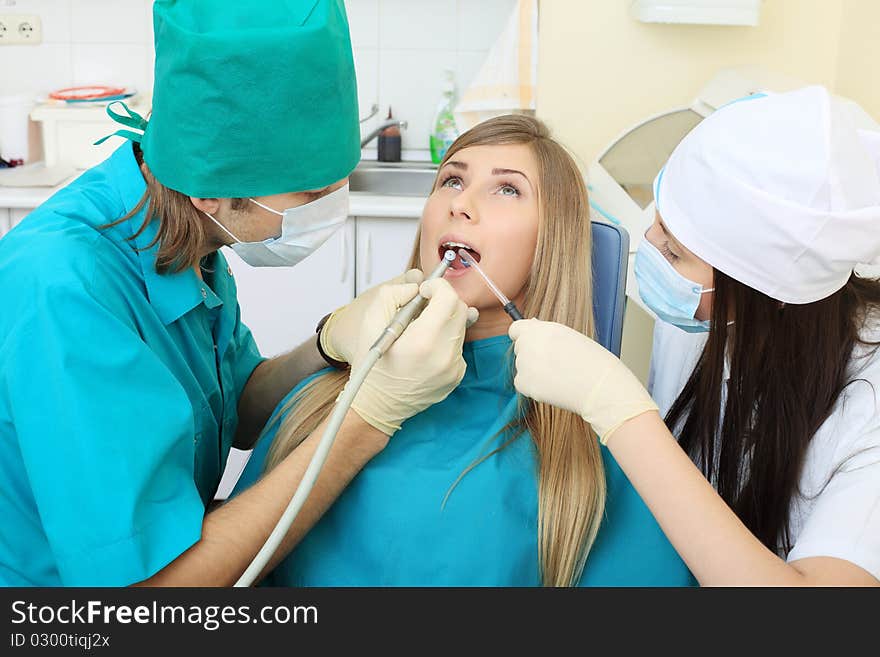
20,29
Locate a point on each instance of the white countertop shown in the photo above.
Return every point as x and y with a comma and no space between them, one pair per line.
28,197
371,205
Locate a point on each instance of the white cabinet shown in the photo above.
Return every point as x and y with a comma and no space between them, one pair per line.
384,246
17,214
282,305
9,217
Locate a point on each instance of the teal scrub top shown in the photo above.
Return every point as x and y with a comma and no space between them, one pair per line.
118,389
390,528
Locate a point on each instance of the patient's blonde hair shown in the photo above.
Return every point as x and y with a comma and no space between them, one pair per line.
571,476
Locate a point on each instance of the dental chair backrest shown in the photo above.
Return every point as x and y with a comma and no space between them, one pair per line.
610,253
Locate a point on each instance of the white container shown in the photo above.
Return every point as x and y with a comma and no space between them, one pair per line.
14,126
70,130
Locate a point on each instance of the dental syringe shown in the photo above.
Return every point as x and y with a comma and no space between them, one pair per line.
509,306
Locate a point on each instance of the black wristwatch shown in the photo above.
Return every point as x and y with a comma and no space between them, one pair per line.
338,364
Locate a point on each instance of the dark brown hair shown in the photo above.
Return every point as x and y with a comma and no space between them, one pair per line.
789,365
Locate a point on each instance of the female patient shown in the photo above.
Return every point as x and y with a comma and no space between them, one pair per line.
485,488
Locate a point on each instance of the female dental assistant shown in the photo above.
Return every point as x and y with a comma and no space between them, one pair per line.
125,371
763,211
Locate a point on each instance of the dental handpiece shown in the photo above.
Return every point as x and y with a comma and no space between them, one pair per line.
468,261
406,314
343,403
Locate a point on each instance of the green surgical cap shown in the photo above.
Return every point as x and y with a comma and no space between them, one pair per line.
252,97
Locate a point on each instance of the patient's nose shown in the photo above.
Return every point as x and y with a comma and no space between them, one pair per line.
462,209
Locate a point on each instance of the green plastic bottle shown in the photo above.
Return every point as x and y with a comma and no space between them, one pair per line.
443,129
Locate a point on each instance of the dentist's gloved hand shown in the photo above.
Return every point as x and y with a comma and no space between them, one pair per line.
559,366
342,330
423,366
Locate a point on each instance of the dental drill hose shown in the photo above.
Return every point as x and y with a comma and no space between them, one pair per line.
393,331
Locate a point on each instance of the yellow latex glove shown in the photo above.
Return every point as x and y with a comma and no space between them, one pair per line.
423,366
557,365
342,330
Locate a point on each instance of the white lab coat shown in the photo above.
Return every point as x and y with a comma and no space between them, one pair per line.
837,513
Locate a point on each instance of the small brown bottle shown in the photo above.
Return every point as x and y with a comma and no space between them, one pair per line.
389,143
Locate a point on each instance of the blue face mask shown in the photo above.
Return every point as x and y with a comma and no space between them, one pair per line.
671,296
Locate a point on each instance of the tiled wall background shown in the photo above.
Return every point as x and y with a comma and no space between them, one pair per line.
401,48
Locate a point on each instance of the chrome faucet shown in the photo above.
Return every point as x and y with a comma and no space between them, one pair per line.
374,110
385,124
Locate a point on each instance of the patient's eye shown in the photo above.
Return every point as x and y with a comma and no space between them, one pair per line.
451,181
507,189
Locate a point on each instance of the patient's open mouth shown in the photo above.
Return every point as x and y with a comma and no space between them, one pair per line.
455,246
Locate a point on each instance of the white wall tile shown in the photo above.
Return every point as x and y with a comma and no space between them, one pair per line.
108,21
147,12
111,63
54,17
423,24
480,22
35,70
366,66
411,82
363,22
151,64
469,64
400,46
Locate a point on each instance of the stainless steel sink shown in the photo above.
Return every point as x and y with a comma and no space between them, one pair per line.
393,178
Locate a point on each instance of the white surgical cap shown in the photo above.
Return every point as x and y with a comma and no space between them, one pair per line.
779,191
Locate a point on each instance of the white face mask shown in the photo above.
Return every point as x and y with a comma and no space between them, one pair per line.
303,229
671,296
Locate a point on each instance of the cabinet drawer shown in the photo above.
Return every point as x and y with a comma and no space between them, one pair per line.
384,246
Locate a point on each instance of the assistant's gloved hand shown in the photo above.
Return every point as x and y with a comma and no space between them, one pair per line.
339,336
557,365
423,366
